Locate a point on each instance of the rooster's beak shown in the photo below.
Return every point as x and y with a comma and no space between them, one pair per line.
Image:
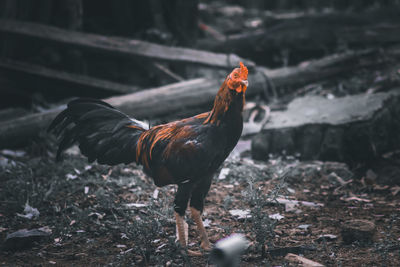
245,83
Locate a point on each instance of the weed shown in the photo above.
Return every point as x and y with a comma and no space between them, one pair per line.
262,225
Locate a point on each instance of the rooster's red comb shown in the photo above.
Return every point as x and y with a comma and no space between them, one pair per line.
243,71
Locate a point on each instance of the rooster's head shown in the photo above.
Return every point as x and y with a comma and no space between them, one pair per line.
237,80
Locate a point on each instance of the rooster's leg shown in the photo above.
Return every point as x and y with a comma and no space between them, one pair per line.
180,204
181,229
196,208
205,243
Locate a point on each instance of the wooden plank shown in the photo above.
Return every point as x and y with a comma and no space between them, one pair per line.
120,46
25,74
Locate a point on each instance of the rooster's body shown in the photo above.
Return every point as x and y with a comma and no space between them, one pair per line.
185,152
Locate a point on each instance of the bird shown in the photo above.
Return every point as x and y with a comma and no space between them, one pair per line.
185,152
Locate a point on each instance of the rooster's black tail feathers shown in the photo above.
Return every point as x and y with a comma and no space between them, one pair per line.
103,132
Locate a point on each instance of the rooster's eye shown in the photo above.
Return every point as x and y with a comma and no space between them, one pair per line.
235,76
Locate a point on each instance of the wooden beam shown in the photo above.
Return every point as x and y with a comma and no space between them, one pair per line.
120,46
24,75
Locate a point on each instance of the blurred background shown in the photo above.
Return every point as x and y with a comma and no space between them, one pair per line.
321,124
270,33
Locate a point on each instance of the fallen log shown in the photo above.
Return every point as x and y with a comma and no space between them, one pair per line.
183,97
351,129
26,76
11,113
119,46
307,36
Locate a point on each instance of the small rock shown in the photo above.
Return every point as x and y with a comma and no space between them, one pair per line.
223,173
304,226
24,238
357,230
30,212
240,214
326,237
276,216
301,261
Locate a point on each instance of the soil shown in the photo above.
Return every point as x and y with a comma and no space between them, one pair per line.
115,216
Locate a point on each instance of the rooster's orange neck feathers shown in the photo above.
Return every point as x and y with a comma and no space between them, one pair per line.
230,94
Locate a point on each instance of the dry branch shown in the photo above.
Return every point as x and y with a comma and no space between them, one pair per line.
24,75
119,46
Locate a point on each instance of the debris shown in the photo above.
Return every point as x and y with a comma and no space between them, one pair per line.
105,176
327,237
339,179
24,238
98,215
86,190
289,207
295,202
293,258
291,190
240,214
136,205
355,199
357,230
304,226
281,251
155,193
395,189
207,223
126,251
160,247
70,176
223,173
276,216
13,153
30,212
4,162
88,167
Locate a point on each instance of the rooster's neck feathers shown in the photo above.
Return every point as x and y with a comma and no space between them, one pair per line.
226,103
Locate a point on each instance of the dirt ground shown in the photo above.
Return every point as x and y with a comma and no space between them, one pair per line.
116,216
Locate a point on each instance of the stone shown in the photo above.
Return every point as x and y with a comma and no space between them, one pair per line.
351,129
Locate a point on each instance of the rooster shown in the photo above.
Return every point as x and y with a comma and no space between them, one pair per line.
185,152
